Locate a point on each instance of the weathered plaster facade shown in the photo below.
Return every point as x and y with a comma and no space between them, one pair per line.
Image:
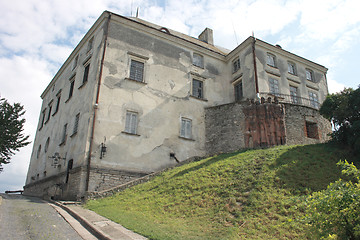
134,98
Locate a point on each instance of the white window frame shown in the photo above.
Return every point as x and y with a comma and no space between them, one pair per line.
292,68
131,122
186,128
309,75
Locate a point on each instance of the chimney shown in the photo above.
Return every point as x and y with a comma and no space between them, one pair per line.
207,36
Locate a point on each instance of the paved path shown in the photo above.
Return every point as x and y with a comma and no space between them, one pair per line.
24,217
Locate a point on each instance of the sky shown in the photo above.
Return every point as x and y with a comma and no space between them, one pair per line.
37,36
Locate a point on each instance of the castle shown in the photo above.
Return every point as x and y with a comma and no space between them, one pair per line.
134,98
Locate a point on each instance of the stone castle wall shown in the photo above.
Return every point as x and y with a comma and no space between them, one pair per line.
236,126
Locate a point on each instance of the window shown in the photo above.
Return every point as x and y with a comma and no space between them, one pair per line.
198,89
90,44
309,75
185,130
198,60
69,167
63,138
236,65
49,113
238,91
294,95
71,90
86,73
314,101
274,86
76,124
131,122
58,96
312,130
38,152
137,71
47,145
75,63
292,68
271,60
42,118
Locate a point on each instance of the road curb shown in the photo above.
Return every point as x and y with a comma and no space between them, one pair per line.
85,223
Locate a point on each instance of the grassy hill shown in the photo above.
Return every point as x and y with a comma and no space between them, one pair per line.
253,194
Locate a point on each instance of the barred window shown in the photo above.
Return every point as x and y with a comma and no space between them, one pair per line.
76,123
294,94
274,86
314,100
137,71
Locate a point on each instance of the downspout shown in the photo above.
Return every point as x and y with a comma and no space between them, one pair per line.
96,106
255,69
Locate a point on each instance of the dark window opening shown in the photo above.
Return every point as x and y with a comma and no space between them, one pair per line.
198,89
70,166
312,130
71,88
238,91
137,71
86,73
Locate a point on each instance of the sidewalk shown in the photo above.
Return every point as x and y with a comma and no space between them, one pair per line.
100,227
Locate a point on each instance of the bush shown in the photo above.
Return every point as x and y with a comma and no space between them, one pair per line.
334,213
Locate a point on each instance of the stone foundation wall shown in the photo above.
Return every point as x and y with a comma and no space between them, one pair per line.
56,186
102,179
242,125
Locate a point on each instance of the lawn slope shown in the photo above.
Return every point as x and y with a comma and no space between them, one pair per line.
253,194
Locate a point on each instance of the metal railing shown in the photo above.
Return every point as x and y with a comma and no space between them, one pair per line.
283,98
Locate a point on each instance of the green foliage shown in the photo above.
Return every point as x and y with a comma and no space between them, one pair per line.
11,127
254,194
343,109
335,212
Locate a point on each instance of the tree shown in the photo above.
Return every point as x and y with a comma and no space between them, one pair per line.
11,127
334,212
343,110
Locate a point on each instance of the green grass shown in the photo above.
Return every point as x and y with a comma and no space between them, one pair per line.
253,194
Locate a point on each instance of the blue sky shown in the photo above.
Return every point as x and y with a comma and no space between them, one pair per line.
37,36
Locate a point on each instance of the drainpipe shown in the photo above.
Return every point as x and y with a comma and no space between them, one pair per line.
96,106
255,69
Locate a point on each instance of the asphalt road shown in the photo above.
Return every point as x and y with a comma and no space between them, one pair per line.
24,217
